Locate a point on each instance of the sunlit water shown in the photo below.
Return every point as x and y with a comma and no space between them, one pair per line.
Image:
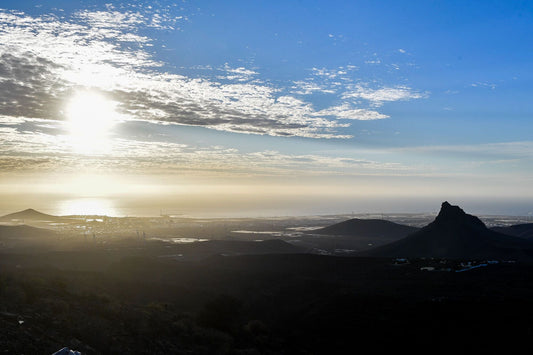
181,240
87,206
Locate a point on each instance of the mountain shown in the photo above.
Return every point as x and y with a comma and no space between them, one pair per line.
456,234
377,228
519,230
31,215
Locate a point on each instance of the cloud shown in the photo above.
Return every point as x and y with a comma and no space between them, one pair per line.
510,150
484,85
35,145
45,146
357,100
30,145
302,87
348,112
45,59
239,74
333,73
378,96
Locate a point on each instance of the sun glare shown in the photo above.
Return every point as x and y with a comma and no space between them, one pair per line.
87,206
90,118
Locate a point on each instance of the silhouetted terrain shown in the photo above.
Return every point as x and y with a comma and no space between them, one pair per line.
455,234
519,230
106,295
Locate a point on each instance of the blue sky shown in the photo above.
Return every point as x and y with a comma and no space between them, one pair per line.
418,98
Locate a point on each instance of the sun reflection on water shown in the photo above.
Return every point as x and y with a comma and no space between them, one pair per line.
87,206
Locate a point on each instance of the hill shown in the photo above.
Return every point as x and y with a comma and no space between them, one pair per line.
31,215
519,230
368,228
456,234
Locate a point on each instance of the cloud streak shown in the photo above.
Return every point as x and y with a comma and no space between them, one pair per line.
386,94
36,145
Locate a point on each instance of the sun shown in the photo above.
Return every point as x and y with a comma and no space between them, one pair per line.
90,119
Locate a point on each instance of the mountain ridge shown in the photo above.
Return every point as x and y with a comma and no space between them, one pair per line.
456,234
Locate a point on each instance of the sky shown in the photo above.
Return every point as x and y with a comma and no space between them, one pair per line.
263,108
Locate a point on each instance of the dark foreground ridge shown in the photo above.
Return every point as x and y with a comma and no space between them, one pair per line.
456,234
258,304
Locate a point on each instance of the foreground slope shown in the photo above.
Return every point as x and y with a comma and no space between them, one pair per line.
259,304
456,234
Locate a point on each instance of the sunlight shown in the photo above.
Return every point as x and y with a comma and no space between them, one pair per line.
86,207
90,118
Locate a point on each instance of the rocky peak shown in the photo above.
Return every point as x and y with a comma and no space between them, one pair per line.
454,214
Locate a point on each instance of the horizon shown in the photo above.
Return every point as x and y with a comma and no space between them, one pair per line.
265,108
111,211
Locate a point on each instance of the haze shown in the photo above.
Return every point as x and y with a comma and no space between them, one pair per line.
255,109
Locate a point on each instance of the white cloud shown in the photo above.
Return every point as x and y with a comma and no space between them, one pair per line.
302,87
239,74
484,85
325,72
44,59
378,96
113,20
348,112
